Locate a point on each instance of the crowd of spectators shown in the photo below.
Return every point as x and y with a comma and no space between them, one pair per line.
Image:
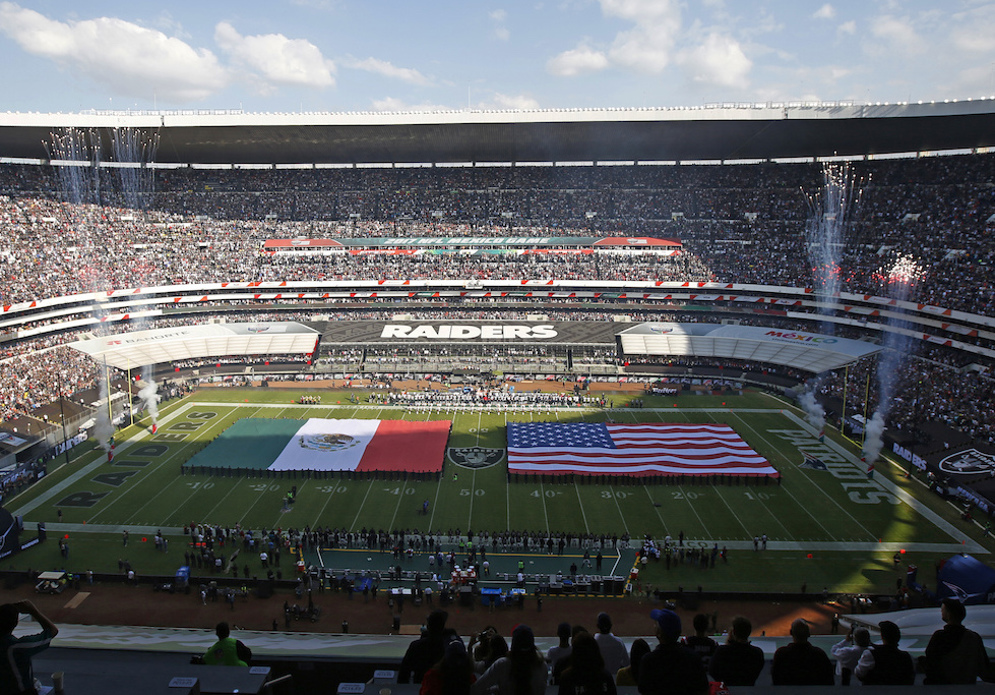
737,223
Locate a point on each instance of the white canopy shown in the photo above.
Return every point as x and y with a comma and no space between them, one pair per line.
164,345
812,352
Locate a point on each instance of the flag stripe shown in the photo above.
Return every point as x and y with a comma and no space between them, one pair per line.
407,445
664,449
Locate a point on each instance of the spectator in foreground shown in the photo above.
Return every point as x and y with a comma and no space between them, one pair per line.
700,643
737,662
954,655
522,672
453,675
671,668
586,674
16,674
885,663
801,663
427,650
848,650
562,649
227,651
613,649
629,675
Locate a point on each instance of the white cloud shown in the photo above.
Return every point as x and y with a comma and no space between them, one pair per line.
975,31
519,102
640,11
718,61
898,33
498,17
648,46
827,11
129,59
577,61
276,60
849,28
394,104
387,69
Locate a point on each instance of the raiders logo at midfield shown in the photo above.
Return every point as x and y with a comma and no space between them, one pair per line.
968,462
474,456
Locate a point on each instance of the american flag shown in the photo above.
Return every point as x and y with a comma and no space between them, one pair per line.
631,449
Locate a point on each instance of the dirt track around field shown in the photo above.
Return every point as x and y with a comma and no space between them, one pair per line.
118,604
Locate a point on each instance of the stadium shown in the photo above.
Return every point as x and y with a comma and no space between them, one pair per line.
664,337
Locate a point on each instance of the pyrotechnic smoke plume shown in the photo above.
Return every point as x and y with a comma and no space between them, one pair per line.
900,280
830,210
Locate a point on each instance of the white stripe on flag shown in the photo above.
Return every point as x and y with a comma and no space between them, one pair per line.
300,454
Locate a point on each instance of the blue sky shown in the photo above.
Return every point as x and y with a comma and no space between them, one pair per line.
370,55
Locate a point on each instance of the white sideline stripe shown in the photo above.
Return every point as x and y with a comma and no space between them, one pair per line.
968,544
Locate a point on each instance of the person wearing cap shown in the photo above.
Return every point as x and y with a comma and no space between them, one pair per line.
801,663
671,668
613,649
737,662
452,675
522,672
885,663
428,649
954,655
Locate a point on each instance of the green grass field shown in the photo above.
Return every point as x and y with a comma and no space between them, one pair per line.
851,525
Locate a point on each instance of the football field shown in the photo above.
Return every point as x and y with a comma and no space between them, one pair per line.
834,515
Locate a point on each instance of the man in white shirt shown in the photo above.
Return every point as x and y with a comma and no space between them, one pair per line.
848,651
613,649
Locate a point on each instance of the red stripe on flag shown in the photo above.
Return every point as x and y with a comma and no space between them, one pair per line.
407,445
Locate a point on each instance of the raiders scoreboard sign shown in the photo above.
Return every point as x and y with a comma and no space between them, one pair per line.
593,333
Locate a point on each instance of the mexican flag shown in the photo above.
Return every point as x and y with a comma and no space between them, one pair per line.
365,445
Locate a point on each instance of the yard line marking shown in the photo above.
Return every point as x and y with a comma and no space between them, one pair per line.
729,507
99,461
587,529
763,504
280,519
894,489
542,493
619,508
223,498
656,509
812,483
220,426
435,503
473,489
362,504
335,489
400,498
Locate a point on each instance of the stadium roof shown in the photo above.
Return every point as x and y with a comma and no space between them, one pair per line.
165,345
727,132
809,351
